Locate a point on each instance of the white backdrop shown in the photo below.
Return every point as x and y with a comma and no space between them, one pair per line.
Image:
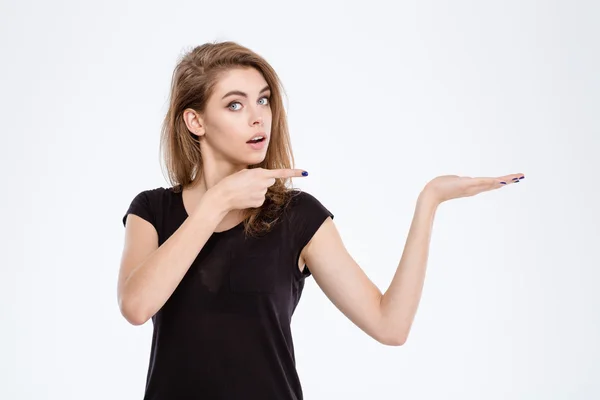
382,97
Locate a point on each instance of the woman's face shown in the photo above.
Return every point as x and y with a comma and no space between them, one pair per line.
237,111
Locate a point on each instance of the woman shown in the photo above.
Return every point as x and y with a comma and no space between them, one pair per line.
218,260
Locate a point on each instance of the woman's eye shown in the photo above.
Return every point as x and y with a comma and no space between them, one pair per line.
263,101
233,104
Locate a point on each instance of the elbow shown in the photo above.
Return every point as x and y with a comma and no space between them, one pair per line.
395,340
392,337
132,312
135,320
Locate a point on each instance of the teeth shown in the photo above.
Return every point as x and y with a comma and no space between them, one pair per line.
256,139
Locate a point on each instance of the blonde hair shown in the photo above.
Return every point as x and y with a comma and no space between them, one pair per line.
193,82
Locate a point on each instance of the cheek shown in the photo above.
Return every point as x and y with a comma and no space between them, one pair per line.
268,118
226,126
228,134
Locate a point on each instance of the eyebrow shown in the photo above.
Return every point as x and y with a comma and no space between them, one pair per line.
240,93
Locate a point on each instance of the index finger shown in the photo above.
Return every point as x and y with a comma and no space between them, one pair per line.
286,173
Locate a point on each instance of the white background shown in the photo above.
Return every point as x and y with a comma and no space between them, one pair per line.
382,97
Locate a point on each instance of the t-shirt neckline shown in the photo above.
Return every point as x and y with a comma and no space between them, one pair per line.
179,196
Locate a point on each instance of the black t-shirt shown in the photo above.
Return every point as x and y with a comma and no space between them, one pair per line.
225,331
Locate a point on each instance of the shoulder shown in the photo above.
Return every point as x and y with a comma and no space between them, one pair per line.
150,197
302,201
305,214
153,194
147,202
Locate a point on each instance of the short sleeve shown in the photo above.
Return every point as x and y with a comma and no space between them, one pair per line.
142,207
307,217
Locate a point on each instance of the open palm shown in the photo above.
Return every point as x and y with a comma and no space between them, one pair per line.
448,187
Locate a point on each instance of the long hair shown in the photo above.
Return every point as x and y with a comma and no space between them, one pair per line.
193,82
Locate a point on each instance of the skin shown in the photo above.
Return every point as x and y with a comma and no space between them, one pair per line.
388,317
223,128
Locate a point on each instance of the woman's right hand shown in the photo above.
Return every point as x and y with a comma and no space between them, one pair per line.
247,188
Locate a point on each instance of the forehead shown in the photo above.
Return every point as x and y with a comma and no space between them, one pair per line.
248,80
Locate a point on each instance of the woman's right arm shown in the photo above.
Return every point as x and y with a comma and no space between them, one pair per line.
149,274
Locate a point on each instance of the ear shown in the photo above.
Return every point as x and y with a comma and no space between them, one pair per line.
194,122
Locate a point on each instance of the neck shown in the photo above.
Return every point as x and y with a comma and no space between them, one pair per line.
212,172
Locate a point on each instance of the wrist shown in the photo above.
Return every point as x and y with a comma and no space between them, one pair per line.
427,199
209,210
216,201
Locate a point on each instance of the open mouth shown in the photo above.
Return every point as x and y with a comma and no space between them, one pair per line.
256,140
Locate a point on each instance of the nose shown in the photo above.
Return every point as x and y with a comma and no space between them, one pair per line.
256,118
257,121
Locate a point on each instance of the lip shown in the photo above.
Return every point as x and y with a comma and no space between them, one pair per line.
263,134
259,145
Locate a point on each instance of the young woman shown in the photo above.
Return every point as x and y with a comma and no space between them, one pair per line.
218,260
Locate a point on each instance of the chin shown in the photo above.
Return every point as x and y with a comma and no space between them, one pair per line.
257,159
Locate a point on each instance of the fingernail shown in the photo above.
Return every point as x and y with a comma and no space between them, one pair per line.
517,181
304,173
522,177
504,183
514,179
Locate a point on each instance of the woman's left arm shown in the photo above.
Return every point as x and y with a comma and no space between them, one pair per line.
388,317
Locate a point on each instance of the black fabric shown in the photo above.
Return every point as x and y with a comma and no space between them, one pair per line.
225,331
